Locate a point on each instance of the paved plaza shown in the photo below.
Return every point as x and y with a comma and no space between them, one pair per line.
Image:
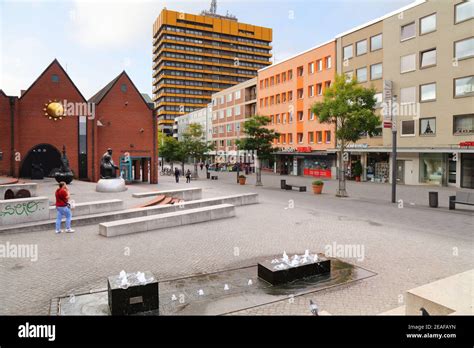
405,245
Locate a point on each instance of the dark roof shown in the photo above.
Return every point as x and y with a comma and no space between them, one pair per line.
99,96
2,92
55,61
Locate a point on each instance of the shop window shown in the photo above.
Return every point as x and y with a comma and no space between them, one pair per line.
361,47
408,63
467,170
428,24
376,42
464,86
428,92
463,124
464,49
407,31
428,126
433,168
464,11
428,58
408,128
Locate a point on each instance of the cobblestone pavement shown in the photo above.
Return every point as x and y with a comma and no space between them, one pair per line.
406,247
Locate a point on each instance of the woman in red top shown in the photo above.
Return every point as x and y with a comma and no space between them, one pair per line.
63,207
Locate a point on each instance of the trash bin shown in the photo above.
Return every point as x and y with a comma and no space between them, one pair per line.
433,199
208,175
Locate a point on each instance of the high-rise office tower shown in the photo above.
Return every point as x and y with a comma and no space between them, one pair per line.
195,56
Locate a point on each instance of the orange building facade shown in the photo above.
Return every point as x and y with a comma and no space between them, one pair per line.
286,92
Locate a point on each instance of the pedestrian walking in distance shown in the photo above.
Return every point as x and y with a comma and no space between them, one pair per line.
188,177
176,174
63,208
201,165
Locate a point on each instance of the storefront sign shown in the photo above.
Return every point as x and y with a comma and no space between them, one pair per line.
387,99
318,173
466,144
304,149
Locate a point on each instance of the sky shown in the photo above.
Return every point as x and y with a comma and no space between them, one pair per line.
96,40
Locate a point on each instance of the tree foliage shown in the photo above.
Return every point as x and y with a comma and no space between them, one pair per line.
259,137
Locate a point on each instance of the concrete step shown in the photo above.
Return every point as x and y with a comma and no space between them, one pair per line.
31,187
155,222
23,210
87,208
451,295
236,200
187,194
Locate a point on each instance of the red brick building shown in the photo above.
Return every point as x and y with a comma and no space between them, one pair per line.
34,128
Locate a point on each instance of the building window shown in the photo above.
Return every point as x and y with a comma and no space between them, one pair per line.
222,99
361,47
428,58
311,91
428,126
311,68
328,62
300,71
214,102
283,118
319,89
221,114
290,95
283,97
408,63
237,111
283,139
361,74
278,118
272,100
376,71
277,79
237,127
123,87
261,84
347,52
266,83
283,76
228,112
54,78
311,137
378,100
464,86
464,48
376,42
407,31
408,95
290,138
277,99
229,97
319,137
300,138
428,24
290,117
327,84
464,11
229,128
428,92
272,81
319,65
300,93
300,116
290,74
463,124
237,95
349,76
327,135
408,127
310,115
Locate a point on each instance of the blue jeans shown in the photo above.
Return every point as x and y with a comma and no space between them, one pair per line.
67,213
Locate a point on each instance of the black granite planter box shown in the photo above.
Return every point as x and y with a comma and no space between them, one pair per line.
267,272
136,298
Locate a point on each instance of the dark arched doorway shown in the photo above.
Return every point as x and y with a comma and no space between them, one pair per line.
43,156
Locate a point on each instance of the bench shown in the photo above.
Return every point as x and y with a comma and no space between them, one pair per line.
285,186
95,207
466,198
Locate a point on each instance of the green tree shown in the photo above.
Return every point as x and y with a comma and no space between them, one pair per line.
258,138
169,149
350,107
195,145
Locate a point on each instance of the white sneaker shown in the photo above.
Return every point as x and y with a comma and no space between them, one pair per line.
58,232
70,231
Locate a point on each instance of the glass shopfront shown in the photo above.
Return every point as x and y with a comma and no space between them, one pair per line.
467,170
378,167
433,168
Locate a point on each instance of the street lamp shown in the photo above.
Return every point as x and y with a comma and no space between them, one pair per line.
394,150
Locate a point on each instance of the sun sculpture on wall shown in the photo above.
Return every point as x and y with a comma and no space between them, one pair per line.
53,110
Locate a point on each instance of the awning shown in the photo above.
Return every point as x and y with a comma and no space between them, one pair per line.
410,149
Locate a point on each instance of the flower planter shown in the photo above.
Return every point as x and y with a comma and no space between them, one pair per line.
317,189
357,178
